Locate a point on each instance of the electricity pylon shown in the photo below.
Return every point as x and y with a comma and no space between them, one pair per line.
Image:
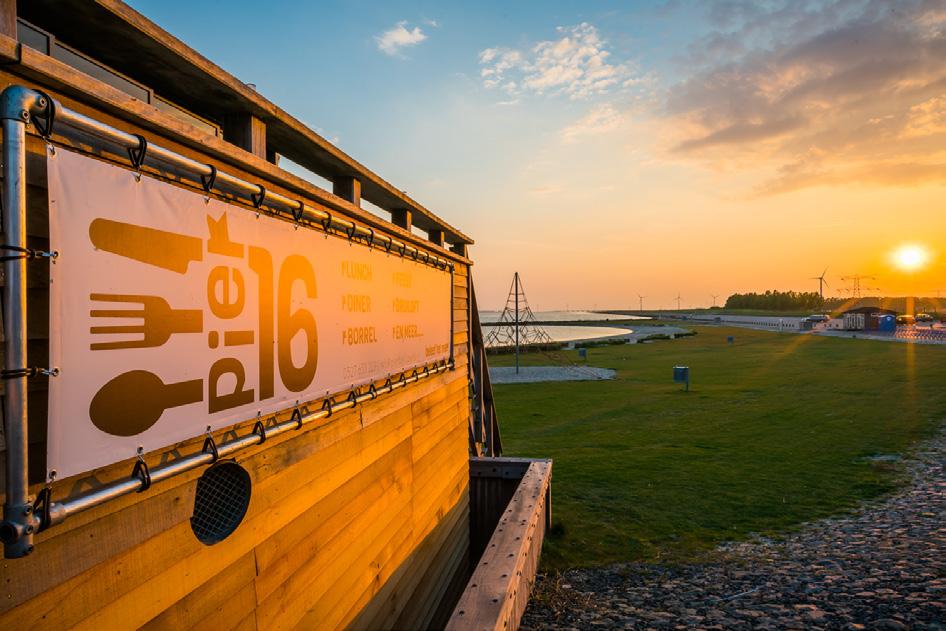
517,325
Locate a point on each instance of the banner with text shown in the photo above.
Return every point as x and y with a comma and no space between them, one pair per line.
171,312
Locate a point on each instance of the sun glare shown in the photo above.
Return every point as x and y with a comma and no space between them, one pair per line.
910,257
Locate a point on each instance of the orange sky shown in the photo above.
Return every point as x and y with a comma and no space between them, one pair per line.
756,169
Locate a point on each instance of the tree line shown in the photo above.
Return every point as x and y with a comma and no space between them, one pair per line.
774,300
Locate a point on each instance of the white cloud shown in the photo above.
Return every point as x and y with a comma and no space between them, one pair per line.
576,64
602,119
393,40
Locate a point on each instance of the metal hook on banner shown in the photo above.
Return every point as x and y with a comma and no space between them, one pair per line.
373,392
260,430
327,223
353,397
45,128
137,154
297,417
351,232
41,506
298,212
30,371
210,444
208,181
142,472
27,253
258,198
369,238
327,405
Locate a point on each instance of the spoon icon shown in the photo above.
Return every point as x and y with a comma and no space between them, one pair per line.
134,401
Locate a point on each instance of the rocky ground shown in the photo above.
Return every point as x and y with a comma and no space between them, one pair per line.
881,568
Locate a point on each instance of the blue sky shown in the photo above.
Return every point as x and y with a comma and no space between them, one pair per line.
605,149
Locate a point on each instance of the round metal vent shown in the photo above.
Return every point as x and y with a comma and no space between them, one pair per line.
223,495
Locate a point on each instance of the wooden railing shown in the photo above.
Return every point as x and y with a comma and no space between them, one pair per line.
484,429
512,501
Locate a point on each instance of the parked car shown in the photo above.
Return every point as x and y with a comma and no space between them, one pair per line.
924,317
906,319
818,317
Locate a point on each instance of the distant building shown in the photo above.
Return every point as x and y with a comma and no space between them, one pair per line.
869,319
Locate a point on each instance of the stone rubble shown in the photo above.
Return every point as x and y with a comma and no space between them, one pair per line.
881,569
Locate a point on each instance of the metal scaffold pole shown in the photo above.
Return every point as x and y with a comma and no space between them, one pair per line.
516,280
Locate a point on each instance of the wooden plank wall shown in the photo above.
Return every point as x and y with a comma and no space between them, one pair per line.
361,521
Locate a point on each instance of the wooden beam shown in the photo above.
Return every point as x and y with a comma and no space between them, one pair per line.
8,18
459,248
247,132
435,237
401,217
348,188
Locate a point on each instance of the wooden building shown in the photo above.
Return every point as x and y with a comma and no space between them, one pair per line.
363,512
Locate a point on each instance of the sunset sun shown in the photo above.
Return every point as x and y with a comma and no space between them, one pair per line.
910,257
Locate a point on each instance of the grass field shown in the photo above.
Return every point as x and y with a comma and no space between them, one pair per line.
777,429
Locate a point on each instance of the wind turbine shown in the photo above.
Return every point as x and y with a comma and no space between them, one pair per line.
641,299
822,283
715,296
678,301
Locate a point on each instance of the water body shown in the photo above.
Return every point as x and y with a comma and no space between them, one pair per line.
573,333
563,316
570,333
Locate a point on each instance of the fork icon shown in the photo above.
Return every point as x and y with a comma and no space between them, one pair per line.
158,321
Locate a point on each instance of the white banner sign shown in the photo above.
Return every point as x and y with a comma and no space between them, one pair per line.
170,313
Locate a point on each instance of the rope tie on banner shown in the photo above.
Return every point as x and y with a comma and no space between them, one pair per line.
373,392
258,198
26,253
137,154
353,397
210,444
142,472
388,245
29,371
402,249
351,232
327,223
45,128
208,181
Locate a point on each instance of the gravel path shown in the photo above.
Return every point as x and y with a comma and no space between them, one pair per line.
881,568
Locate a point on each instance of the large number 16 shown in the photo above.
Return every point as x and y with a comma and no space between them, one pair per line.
295,268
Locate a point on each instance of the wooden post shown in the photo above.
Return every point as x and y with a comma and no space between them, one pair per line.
8,18
401,217
348,188
458,248
247,132
435,237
